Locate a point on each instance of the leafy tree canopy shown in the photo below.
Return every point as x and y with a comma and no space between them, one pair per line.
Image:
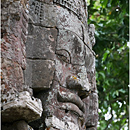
111,20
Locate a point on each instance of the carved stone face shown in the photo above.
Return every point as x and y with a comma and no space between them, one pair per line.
58,73
57,65
70,63
71,74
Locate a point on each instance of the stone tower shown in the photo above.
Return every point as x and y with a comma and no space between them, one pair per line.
48,66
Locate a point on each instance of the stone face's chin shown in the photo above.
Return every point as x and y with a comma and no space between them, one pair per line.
72,108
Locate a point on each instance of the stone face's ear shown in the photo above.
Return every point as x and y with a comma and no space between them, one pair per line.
91,32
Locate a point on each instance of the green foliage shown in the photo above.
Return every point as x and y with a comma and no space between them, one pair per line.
110,18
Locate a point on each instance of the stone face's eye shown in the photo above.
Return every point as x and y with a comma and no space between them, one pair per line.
63,55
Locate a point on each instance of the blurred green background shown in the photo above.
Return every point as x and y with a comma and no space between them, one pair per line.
111,20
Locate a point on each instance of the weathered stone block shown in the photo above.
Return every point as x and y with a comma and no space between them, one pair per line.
12,75
59,124
21,107
42,14
76,7
39,74
92,80
92,118
91,31
89,60
41,42
68,21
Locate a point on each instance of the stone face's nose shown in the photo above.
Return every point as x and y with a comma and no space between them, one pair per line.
78,84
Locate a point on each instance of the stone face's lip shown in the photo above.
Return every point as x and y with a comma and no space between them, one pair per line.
72,107
71,101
